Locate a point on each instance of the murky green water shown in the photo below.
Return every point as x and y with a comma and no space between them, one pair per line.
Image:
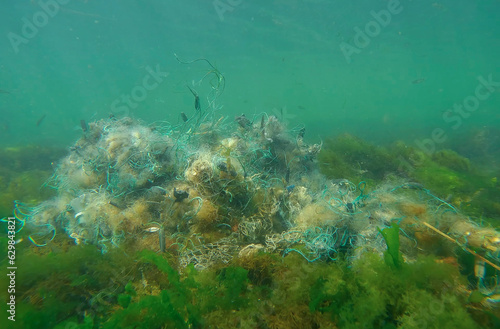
304,57
402,97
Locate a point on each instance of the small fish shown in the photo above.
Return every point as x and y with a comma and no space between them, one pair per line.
243,121
262,122
197,104
417,81
39,121
84,126
152,229
4,92
184,117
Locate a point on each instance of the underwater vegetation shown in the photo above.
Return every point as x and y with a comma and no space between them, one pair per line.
352,158
243,224
78,286
23,170
480,144
444,172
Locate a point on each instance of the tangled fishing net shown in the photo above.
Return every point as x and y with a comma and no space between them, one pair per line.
208,190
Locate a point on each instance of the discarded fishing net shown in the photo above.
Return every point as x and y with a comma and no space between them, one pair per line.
208,190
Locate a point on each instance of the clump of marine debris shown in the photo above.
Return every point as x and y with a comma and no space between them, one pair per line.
208,190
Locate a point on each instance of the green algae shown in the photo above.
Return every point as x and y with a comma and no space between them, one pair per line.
23,171
79,286
445,173
392,256
452,160
349,157
125,298
371,295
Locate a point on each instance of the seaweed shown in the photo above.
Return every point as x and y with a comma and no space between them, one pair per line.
125,298
23,170
234,283
59,284
351,158
371,294
392,255
452,160
445,172
149,312
368,293
173,306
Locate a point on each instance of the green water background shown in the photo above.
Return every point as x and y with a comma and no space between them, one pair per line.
280,57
